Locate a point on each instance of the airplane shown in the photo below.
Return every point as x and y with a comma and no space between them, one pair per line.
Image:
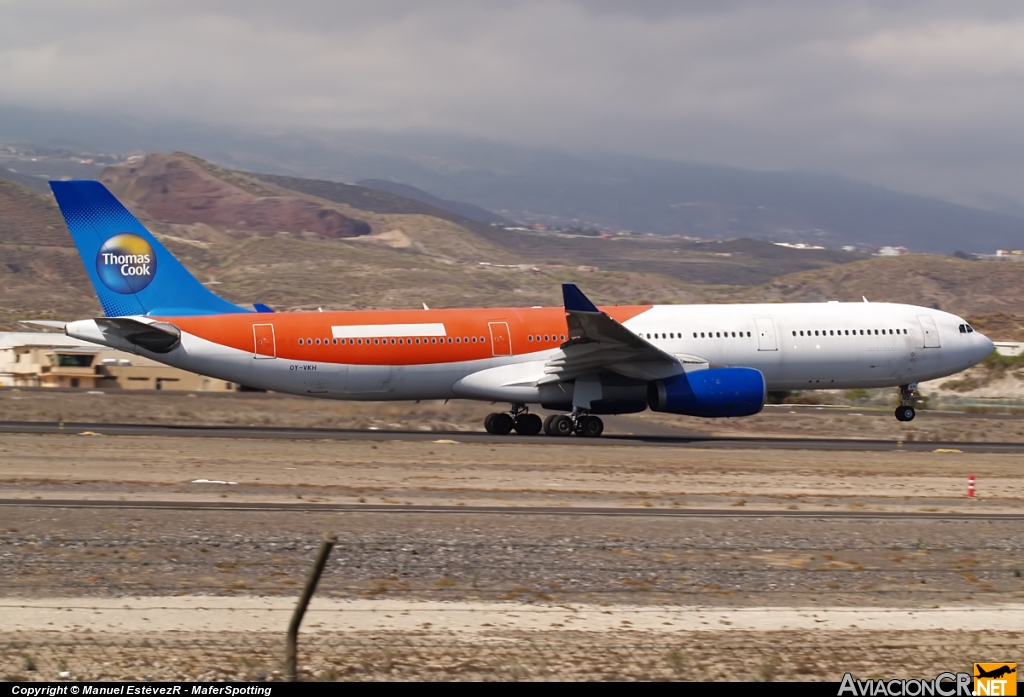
994,673
579,360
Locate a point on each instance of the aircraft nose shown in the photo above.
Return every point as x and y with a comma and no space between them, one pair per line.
985,347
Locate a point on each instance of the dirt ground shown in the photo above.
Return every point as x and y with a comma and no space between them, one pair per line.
206,594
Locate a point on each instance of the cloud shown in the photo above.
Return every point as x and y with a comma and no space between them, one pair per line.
921,96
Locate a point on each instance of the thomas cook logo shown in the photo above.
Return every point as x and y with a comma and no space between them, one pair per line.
126,263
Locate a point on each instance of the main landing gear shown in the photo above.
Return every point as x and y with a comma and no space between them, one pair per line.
586,425
905,412
526,424
519,420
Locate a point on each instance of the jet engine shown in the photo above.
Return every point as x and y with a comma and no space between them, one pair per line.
713,392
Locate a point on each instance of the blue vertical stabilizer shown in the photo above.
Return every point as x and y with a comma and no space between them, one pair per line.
133,273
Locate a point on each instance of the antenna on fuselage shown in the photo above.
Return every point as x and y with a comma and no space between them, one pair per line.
425,306
863,298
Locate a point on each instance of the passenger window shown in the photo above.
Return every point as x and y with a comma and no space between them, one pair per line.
695,335
815,332
529,337
801,332
831,333
702,335
300,342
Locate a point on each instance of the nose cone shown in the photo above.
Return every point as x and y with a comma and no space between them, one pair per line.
982,349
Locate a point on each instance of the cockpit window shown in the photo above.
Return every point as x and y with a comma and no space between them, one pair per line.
966,329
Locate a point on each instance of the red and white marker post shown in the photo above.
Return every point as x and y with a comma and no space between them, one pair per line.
970,486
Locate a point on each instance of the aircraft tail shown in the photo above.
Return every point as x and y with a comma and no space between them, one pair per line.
133,273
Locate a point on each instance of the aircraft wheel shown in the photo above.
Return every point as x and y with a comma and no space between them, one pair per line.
589,426
528,424
501,424
489,423
905,413
558,425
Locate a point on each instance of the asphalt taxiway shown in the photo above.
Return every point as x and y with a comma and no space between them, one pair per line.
629,432
219,506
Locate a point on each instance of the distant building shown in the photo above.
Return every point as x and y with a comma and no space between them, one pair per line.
891,251
797,245
39,359
1010,348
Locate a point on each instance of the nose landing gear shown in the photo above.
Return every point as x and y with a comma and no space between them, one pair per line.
905,412
519,420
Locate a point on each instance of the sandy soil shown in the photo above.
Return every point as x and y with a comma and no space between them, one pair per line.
448,473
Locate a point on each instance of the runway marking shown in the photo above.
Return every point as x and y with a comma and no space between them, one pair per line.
683,440
499,510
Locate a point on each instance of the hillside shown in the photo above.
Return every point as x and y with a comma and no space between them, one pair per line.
185,190
41,275
969,288
410,253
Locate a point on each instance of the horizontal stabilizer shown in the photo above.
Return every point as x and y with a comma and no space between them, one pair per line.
49,323
127,333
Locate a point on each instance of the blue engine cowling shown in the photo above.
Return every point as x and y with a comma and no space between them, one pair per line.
714,392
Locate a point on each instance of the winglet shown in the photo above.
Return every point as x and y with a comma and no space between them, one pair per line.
260,307
575,300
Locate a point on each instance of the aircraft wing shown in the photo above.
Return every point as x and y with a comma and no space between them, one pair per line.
599,343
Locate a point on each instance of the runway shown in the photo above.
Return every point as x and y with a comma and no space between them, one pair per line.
618,434
498,510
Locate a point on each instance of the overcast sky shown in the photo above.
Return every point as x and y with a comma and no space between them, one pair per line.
919,96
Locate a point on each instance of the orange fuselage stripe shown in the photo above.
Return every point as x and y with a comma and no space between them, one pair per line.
236,331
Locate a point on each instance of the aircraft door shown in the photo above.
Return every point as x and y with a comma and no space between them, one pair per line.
263,338
766,334
501,342
931,333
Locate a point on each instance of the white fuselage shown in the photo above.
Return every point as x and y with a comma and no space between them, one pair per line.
795,346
